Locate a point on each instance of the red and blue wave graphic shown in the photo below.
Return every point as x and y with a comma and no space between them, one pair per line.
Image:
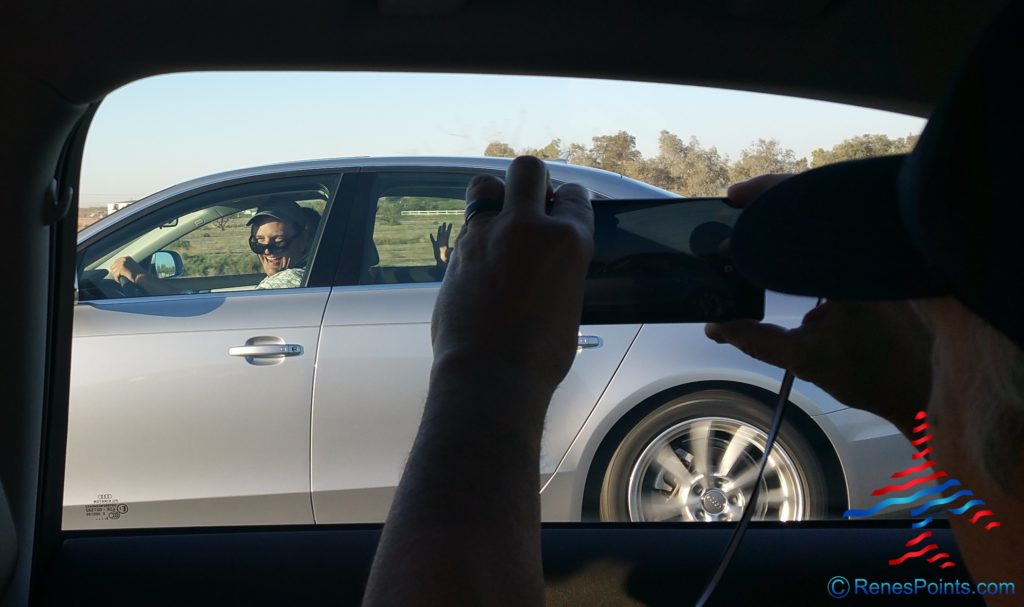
930,552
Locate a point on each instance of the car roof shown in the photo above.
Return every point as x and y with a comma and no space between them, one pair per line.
603,183
877,53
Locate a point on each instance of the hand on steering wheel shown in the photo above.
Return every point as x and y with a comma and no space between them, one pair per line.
126,272
129,288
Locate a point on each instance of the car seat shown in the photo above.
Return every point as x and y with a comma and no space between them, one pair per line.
370,273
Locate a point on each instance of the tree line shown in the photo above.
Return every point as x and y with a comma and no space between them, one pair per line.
690,169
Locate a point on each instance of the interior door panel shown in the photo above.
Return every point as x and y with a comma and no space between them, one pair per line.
583,565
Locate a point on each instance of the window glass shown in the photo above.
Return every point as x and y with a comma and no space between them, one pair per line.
417,219
681,424
402,221
209,243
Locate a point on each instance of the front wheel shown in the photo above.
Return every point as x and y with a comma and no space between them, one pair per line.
695,459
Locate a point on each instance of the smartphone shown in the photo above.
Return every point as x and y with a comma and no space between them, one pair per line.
660,261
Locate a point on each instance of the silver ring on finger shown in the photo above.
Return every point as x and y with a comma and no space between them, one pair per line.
478,205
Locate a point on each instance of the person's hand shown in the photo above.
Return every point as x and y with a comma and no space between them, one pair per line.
509,308
874,355
126,267
869,355
440,244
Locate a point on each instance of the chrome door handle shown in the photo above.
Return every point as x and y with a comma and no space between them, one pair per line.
267,350
589,341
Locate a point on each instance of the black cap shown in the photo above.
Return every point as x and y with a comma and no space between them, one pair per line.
282,209
941,221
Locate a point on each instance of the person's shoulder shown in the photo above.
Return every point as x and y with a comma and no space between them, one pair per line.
285,279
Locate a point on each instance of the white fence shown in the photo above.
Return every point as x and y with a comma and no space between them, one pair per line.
446,212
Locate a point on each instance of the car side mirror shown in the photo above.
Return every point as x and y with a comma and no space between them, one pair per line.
167,264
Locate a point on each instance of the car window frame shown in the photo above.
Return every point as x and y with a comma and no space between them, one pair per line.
376,193
355,187
142,221
363,218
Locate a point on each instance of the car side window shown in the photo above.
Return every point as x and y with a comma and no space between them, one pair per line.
258,235
418,217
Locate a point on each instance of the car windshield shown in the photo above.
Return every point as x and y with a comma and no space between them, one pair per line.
286,233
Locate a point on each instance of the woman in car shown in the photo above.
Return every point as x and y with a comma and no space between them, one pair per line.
281,235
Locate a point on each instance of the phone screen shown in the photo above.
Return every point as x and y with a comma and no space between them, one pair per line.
659,261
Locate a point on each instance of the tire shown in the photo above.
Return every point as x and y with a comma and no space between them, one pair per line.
660,473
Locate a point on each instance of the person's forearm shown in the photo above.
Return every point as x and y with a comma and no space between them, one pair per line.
470,537
465,524
153,285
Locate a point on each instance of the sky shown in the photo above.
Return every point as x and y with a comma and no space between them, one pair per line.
160,131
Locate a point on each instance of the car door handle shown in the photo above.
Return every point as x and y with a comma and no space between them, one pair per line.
589,341
266,350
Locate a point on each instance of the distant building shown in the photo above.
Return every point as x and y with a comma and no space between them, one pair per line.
117,206
84,222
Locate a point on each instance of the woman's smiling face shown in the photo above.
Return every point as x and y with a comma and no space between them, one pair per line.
283,245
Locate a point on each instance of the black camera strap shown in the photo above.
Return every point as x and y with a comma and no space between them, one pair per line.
748,512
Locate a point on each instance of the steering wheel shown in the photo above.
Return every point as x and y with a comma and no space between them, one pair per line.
97,284
129,288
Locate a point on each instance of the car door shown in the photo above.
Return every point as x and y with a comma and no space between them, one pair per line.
375,352
194,408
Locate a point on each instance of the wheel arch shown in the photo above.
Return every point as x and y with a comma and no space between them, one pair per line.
837,496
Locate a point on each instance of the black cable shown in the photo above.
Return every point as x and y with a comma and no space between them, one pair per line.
748,512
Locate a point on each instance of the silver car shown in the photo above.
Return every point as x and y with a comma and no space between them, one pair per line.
221,404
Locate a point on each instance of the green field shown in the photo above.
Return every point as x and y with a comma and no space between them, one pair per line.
408,243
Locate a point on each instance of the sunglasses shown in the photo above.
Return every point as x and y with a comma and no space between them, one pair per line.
271,248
